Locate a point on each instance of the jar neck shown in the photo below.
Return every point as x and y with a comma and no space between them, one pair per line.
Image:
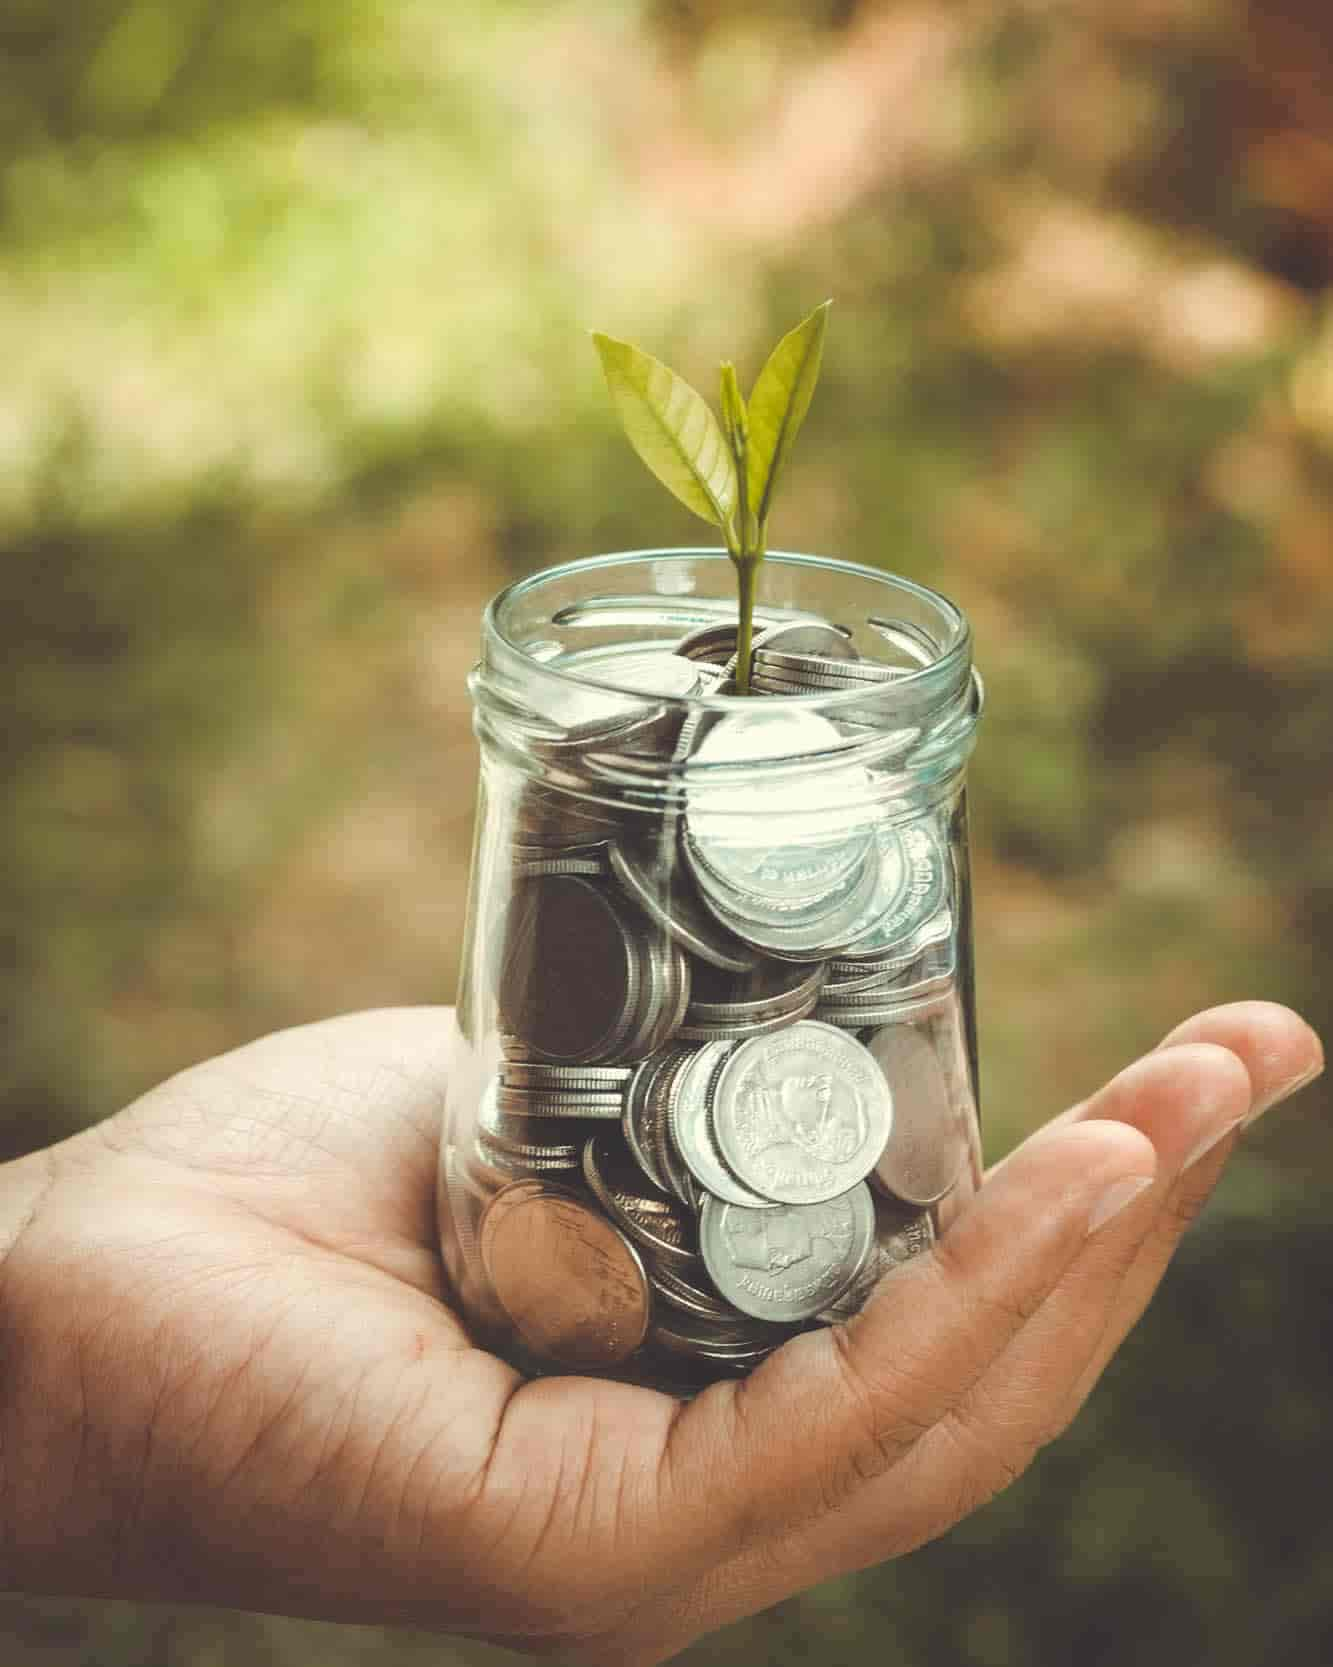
544,707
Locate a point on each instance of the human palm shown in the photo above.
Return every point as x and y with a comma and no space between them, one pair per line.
234,1375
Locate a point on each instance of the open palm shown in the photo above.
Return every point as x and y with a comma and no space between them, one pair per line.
232,1373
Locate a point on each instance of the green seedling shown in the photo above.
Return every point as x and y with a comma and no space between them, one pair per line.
725,472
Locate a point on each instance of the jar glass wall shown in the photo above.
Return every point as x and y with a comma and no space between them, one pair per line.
715,1069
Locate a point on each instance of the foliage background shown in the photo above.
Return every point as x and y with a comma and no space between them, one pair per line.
293,301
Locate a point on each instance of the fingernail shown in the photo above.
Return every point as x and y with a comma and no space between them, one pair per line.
1115,1199
1208,1141
1284,1092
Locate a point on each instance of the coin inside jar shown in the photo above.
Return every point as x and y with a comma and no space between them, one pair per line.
570,976
674,906
928,1142
571,1283
790,1263
772,841
801,1115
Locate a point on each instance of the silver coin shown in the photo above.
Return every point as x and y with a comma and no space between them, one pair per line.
841,672
679,1176
714,643
790,1263
894,1245
929,1142
807,935
914,858
656,1223
931,948
805,639
876,981
775,987
535,1136
868,1021
529,1102
714,1032
665,995
671,903
770,837
740,1349
802,1115
671,1284
567,1079
639,1121
691,1130
533,869
493,1168
571,970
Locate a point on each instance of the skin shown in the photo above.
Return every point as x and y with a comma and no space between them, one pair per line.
231,1374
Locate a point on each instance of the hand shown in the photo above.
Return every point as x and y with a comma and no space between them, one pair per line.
231,1374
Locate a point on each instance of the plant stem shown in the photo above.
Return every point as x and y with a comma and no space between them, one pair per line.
747,581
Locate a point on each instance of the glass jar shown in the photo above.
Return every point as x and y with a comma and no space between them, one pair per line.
714,1068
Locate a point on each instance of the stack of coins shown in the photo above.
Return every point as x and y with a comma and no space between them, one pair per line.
730,1098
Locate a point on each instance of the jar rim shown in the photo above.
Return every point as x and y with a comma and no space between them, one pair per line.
942,676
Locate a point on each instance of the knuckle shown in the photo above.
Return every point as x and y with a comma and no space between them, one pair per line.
1184,1205
879,1425
992,1457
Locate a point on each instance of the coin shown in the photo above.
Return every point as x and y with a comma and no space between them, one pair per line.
572,1284
567,1079
896,1243
802,1115
927,1144
787,1264
570,977
800,933
638,1122
529,1102
771,986
770,836
656,1223
671,903
930,951
714,643
671,1284
664,995
691,1129
533,869
805,639
913,872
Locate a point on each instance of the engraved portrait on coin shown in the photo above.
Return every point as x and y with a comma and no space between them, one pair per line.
787,1264
801,1115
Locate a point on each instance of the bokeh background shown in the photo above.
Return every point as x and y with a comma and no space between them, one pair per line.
294,374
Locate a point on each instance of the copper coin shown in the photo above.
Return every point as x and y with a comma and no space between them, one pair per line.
572,1284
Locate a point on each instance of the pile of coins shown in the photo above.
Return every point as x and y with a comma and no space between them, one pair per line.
733,1090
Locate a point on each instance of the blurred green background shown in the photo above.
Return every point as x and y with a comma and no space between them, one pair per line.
294,373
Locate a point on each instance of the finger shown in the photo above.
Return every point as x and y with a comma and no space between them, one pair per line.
827,1415
1184,1099
1279,1053
1276,1046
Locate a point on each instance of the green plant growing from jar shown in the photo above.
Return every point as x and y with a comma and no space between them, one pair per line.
725,472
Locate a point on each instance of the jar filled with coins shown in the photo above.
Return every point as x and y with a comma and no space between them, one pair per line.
714,1072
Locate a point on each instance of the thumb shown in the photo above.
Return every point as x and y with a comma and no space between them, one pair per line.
826,1416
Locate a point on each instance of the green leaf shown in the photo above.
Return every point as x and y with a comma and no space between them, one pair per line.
778,404
741,537
672,428
734,423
